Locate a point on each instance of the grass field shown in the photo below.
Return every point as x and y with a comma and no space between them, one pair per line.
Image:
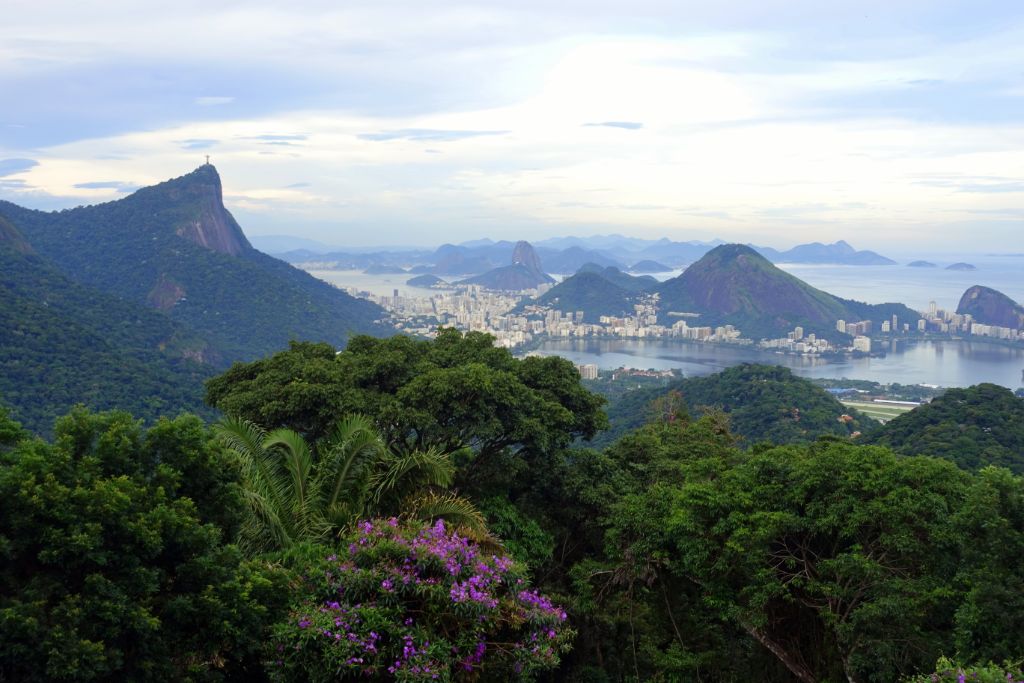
883,412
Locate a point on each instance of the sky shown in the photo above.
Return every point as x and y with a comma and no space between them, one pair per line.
891,125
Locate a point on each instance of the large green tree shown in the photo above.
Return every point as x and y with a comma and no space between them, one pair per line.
454,391
109,571
840,560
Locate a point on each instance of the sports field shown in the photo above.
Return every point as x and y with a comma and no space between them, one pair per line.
883,412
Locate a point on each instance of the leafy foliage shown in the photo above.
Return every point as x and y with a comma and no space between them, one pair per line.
415,602
974,427
454,391
110,570
764,403
294,497
948,671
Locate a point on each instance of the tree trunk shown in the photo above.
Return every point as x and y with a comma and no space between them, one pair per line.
797,668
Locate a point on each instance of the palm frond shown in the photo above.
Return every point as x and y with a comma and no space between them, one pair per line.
346,458
448,506
400,473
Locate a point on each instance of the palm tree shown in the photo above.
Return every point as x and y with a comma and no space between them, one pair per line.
294,494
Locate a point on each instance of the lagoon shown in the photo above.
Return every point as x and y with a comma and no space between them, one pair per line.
944,363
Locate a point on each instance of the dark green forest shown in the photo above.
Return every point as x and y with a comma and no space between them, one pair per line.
974,427
63,344
763,403
437,510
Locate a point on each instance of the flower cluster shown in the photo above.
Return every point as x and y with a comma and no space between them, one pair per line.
418,602
948,671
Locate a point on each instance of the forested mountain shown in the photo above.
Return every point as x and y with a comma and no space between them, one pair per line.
763,403
991,307
974,427
596,291
176,248
733,284
63,343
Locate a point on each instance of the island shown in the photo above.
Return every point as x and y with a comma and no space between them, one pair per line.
921,264
962,266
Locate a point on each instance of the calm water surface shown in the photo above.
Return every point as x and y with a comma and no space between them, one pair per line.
946,363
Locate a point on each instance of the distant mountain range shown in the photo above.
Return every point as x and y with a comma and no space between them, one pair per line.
163,276
567,254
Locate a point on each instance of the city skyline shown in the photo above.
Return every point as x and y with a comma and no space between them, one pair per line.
399,123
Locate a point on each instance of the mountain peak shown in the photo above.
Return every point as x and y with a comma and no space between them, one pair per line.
991,307
210,225
525,254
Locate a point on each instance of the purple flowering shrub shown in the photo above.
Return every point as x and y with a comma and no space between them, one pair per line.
948,671
413,602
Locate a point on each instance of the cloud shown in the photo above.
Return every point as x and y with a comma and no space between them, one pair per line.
428,134
276,137
12,166
627,125
198,143
118,185
213,101
297,186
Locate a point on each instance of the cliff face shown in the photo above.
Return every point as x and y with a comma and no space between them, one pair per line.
525,254
212,226
176,248
991,307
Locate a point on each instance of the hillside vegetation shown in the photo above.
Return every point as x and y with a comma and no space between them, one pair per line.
733,284
175,248
62,343
974,427
762,403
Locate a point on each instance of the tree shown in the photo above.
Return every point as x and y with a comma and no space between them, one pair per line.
107,572
454,391
296,493
840,560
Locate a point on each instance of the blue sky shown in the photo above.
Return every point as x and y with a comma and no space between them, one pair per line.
419,123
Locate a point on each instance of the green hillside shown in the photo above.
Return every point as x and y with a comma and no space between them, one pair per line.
762,402
631,283
974,427
733,284
176,248
62,343
592,293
